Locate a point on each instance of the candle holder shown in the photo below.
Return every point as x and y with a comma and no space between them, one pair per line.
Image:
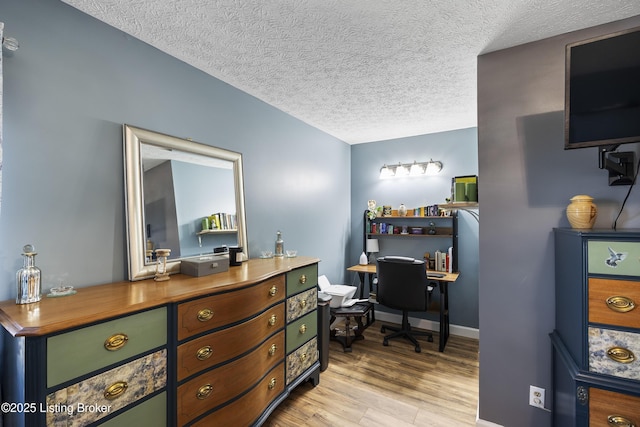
161,265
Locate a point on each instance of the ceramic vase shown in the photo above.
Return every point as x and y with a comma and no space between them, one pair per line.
402,210
582,212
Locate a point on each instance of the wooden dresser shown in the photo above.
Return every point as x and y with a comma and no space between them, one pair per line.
224,349
596,342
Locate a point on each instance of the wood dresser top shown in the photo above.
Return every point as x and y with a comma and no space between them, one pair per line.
96,303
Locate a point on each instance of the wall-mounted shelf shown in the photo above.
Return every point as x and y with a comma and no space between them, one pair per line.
458,205
216,231
445,226
229,231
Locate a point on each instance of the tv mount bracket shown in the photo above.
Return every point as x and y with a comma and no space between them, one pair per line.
619,165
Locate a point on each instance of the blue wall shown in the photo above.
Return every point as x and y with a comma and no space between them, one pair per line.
67,92
457,150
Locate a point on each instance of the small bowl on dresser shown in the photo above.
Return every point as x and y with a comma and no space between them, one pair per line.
291,254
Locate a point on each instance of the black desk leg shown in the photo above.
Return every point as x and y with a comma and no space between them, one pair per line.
371,317
444,314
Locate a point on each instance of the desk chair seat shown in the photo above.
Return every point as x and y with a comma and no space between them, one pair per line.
403,285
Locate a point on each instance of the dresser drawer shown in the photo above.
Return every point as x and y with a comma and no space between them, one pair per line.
219,310
614,353
614,302
614,257
302,279
79,352
301,304
246,410
607,408
301,359
108,391
217,347
222,384
153,412
301,331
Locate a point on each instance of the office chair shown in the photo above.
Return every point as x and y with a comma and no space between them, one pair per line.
403,285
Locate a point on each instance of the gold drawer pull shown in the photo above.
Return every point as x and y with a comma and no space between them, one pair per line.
204,353
618,421
272,383
205,314
204,391
273,349
273,320
303,357
116,342
303,328
303,303
303,279
115,390
620,304
273,291
621,355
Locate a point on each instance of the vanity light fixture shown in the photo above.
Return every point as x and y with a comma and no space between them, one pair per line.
411,169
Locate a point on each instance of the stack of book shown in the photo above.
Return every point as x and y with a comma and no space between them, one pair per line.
223,221
444,261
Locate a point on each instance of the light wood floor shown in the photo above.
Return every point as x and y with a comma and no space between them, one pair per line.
389,386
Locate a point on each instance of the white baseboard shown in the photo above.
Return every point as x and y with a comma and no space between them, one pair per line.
483,423
462,331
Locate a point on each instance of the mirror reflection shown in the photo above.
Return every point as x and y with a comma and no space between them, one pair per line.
181,195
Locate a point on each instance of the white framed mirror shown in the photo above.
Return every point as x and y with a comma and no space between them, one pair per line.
171,185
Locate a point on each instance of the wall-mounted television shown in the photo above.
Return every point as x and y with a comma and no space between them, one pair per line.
602,91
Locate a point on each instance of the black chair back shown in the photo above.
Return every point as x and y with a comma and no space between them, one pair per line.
402,283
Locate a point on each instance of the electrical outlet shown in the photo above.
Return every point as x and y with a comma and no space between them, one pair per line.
536,396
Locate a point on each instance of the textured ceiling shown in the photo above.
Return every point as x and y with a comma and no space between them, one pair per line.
360,70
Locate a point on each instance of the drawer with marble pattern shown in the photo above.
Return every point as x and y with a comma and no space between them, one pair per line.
246,410
212,312
111,390
614,302
608,408
301,330
613,352
302,279
217,347
79,352
300,304
217,386
301,359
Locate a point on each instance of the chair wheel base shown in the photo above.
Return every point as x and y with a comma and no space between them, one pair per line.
385,343
418,349
383,329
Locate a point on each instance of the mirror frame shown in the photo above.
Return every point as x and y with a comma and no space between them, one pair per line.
134,200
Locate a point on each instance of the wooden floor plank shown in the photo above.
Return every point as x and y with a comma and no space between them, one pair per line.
390,386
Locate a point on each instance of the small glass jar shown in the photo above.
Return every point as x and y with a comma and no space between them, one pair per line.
28,278
161,265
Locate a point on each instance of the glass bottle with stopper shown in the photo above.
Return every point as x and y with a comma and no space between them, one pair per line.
28,278
279,252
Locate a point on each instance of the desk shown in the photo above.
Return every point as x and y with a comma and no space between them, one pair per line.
443,287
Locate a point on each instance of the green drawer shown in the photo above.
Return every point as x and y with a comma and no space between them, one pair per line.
614,258
302,330
84,350
153,412
302,279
